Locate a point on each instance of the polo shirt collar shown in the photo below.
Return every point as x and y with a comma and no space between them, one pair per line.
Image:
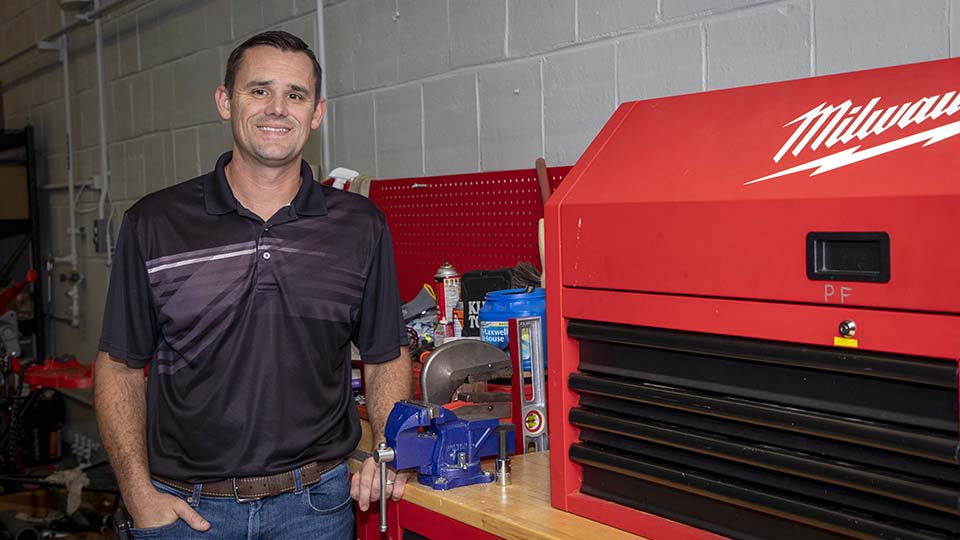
218,199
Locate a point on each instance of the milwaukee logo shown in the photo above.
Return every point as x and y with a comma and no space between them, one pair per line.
826,125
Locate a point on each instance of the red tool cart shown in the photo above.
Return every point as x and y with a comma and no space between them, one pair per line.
754,311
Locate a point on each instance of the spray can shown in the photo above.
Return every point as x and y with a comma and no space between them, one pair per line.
442,331
447,285
458,319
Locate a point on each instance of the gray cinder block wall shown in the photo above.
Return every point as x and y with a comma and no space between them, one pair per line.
417,87
163,60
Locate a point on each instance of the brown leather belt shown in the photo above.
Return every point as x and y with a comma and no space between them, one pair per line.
252,488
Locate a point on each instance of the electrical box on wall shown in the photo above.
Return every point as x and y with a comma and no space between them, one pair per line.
102,234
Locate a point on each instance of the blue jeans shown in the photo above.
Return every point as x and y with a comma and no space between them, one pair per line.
321,511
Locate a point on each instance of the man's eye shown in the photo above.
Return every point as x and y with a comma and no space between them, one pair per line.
259,92
296,97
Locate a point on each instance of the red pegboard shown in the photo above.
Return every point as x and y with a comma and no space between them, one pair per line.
476,221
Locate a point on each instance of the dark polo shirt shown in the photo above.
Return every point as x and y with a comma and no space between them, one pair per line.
246,325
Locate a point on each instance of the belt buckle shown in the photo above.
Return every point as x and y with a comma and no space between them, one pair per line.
236,494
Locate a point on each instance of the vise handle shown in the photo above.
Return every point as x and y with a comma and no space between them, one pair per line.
383,455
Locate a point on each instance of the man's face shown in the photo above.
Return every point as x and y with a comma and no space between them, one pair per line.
273,107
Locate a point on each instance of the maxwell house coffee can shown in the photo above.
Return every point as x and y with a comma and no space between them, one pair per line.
447,285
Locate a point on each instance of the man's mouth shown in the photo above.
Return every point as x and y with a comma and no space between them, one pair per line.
273,129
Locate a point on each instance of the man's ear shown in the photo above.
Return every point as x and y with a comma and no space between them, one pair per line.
222,98
318,112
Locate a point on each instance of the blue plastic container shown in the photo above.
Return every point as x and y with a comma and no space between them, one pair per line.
501,306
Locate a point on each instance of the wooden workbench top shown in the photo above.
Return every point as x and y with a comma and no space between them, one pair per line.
520,511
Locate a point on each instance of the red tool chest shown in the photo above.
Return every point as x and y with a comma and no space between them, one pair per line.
754,306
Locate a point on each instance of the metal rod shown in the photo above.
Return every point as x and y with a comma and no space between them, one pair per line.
36,256
51,187
383,496
104,163
383,455
72,232
325,126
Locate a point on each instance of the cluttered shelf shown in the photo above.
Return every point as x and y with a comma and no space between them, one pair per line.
482,230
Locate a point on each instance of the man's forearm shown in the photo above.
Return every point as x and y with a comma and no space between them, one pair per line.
120,402
386,384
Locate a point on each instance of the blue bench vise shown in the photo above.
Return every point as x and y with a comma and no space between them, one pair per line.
444,448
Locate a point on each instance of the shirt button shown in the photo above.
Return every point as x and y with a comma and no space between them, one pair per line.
266,254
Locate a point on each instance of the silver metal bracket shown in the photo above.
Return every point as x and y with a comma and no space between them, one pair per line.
49,45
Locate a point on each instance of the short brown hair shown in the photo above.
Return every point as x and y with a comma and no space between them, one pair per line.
279,39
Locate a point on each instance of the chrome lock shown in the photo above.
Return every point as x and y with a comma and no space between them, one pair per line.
848,329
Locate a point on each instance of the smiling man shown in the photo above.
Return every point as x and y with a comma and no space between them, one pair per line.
242,290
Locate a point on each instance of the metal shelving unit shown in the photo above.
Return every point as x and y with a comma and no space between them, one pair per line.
17,150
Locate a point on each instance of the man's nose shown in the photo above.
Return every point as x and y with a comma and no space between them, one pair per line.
277,105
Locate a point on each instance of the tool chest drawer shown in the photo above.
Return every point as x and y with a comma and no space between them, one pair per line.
761,439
